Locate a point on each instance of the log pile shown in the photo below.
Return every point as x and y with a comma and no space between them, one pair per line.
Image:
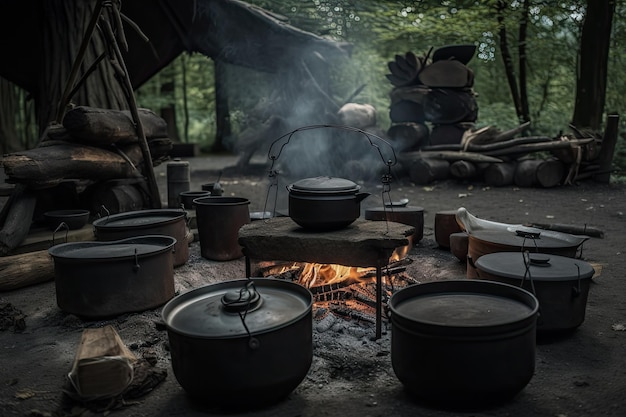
433,89
499,159
437,91
93,157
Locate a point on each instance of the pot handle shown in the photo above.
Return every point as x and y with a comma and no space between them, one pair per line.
61,225
241,302
389,162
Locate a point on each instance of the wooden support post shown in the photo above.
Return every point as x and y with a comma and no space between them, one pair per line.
605,159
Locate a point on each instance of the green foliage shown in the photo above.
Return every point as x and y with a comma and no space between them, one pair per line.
380,29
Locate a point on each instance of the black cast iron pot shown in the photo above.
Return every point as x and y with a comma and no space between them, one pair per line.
241,343
169,222
560,283
463,343
325,203
104,279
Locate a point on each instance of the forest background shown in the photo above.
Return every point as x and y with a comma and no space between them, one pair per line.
526,67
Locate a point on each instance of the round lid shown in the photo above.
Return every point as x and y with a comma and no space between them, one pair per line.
139,218
542,267
117,249
324,185
220,310
509,238
463,307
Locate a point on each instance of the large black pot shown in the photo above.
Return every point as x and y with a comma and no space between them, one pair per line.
463,343
561,284
104,279
325,203
169,222
241,343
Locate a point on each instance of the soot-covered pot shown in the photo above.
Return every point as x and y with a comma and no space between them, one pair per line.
560,283
241,343
325,203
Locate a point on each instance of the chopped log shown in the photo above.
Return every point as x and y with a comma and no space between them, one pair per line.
51,164
526,172
449,106
17,271
102,366
463,170
408,136
447,134
446,74
570,228
406,111
545,173
96,126
17,218
550,173
607,149
499,174
424,171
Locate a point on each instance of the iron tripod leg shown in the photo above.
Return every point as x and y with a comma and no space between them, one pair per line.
379,300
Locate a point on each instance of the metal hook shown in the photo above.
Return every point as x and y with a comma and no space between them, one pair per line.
59,227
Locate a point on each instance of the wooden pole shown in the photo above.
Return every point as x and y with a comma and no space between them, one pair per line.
605,159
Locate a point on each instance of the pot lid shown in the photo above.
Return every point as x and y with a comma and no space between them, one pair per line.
324,185
139,219
510,238
542,267
220,310
463,307
116,249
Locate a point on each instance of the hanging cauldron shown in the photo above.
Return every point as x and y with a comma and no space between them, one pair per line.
325,203
561,284
241,343
104,279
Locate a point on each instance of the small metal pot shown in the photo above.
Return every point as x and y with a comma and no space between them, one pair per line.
325,203
463,343
241,343
561,284
103,279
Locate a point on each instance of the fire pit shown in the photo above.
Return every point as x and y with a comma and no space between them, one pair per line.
362,244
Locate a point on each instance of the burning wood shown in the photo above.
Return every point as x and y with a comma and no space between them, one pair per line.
348,292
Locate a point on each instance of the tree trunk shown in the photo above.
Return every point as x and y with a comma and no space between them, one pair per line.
594,52
222,111
64,28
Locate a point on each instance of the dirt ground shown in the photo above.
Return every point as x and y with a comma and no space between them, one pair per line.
580,374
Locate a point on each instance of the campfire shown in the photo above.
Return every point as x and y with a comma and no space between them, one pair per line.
346,291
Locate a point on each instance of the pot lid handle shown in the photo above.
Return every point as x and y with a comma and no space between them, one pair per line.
241,301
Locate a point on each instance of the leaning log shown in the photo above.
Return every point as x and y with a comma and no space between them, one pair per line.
17,218
49,165
96,126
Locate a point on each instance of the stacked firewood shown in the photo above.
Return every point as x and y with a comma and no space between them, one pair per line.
93,160
436,90
503,158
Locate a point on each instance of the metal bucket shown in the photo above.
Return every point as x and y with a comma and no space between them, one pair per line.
219,220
